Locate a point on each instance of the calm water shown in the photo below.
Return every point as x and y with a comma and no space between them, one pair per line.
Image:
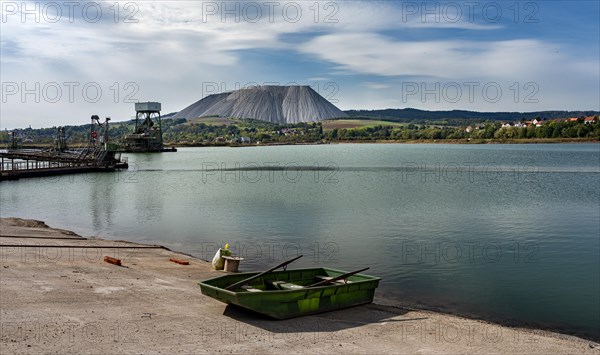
507,232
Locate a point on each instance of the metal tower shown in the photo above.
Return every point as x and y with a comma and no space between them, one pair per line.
147,135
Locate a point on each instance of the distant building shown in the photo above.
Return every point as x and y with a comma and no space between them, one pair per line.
506,125
590,119
469,129
537,122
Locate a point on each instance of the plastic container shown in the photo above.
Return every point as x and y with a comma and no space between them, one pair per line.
218,263
232,263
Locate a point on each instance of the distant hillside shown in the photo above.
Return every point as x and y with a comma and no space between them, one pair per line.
412,115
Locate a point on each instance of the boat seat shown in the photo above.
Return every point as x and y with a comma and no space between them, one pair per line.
338,282
250,289
284,285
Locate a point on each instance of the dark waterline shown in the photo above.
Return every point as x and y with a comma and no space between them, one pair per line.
508,233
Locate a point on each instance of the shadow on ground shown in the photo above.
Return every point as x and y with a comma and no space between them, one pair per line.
343,319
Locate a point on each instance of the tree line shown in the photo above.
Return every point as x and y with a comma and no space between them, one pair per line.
182,132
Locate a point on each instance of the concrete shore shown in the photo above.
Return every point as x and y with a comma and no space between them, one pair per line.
58,295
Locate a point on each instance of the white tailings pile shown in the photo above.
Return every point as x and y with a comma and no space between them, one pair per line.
276,104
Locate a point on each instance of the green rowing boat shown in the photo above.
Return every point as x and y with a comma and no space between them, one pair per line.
293,293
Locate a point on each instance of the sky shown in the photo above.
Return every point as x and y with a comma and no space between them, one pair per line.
64,61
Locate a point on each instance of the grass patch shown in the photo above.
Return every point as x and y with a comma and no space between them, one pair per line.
212,121
329,125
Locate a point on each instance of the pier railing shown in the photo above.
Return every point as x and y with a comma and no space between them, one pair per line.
15,164
37,165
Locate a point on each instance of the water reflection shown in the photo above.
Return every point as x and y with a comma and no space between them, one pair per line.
101,200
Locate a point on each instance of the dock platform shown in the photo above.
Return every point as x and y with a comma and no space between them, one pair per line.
18,164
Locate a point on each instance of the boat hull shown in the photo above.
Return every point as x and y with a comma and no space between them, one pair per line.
284,304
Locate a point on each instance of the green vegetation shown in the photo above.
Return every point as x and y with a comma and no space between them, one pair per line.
221,131
74,134
329,125
242,131
212,120
483,131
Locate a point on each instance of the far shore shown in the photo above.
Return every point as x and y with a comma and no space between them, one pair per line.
433,141
59,296
426,141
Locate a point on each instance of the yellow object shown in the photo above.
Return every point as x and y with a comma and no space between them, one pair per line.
225,251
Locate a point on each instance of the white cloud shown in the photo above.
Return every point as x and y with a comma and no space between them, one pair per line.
175,46
380,55
546,77
376,86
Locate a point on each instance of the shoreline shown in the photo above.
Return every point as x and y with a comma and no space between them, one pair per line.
387,141
39,284
438,141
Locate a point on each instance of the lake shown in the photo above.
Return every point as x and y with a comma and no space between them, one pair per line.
502,232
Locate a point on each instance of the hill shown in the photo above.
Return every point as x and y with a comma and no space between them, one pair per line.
270,103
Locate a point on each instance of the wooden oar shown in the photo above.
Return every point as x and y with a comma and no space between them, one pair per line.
343,276
232,286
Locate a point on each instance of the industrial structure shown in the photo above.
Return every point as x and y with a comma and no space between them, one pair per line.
147,134
101,153
98,155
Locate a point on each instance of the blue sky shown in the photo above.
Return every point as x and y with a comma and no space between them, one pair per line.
61,62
